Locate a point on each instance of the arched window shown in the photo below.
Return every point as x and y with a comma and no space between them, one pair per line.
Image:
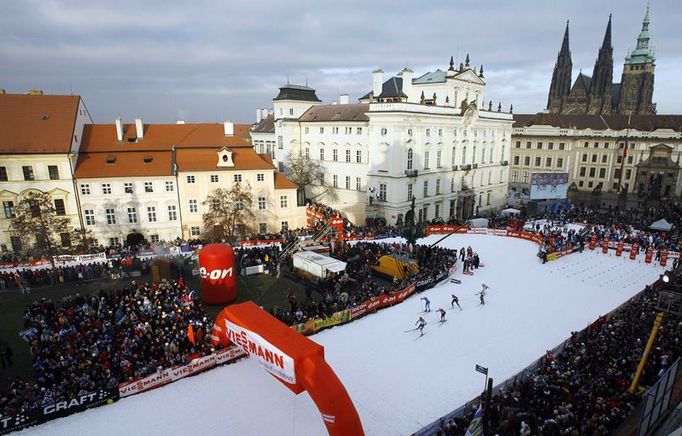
464,154
473,155
453,156
410,156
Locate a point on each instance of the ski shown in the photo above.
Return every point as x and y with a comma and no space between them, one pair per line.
458,282
419,336
442,322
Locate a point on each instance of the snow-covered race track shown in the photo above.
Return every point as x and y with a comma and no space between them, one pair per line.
398,381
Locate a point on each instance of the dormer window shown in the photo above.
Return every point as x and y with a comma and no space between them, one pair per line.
225,158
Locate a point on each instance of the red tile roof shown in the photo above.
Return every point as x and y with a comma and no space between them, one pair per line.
102,137
206,159
282,182
37,123
126,164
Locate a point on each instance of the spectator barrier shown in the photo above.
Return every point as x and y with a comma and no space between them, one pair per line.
40,415
178,372
370,306
657,399
528,372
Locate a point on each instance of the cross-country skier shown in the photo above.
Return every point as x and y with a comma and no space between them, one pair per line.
454,301
482,296
442,314
484,288
420,325
427,304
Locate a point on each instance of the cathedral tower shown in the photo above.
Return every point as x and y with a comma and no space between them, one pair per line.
601,88
637,82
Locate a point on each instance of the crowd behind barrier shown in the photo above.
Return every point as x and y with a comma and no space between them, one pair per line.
83,344
356,285
581,386
130,340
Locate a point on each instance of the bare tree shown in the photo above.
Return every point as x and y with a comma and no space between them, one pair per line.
230,214
37,222
309,176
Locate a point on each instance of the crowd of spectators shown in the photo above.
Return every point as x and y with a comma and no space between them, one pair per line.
583,389
81,344
358,283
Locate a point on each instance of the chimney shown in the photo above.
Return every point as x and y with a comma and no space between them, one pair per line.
229,128
377,82
343,99
139,127
258,115
407,83
119,129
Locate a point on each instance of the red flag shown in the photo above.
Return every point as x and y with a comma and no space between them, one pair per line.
190,333
625,148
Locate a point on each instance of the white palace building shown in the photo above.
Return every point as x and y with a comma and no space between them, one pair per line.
430,137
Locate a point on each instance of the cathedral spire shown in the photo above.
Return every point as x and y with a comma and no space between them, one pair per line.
606,44
601,87
564,45
643,52
561,77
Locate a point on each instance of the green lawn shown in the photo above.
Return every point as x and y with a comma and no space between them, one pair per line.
264,290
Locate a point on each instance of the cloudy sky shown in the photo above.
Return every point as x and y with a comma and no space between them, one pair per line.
211,60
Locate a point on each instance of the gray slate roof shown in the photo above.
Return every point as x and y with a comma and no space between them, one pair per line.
337,112
296,92
266,125
437,76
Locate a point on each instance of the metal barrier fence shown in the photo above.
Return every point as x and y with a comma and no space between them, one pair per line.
657,399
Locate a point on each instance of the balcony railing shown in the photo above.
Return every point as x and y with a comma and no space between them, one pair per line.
411,173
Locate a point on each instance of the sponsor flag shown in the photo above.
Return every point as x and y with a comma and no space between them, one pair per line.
476,425
481,369
190,333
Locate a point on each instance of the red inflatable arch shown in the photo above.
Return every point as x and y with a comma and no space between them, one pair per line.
293,359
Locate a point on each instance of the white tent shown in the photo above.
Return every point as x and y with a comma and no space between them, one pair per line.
662,225
510,212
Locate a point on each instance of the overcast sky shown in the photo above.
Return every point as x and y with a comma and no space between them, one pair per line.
215,60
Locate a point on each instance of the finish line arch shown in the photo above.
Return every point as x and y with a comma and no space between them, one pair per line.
293,359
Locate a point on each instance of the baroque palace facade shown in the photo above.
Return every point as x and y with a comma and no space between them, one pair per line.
431,138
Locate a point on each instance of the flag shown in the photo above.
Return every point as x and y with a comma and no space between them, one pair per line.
190,333
476,425
625,148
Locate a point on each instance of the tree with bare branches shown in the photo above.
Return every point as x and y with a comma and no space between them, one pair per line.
39,226
230,213
309,176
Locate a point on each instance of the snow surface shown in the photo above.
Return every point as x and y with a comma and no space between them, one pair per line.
398,382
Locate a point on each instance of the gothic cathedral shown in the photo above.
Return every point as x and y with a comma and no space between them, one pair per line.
598,94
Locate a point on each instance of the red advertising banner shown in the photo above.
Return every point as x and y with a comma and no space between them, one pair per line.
593,242
605,246
634,250
664,257
175,373
648,257
261,242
